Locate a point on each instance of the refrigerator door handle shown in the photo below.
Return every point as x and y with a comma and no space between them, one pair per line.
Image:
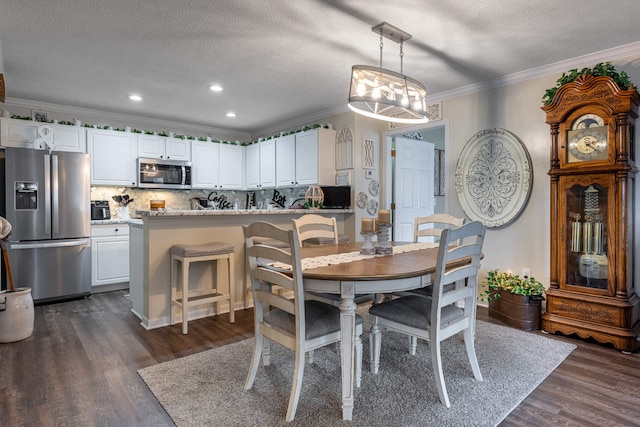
55,205
47,194
46,244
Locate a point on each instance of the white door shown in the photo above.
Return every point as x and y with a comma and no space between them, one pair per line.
413,185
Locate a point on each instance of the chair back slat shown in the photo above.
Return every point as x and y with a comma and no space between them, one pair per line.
313,226
429,228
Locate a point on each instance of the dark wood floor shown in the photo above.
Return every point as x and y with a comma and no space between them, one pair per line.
79,369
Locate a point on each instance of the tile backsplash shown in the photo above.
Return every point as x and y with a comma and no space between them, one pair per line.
181,199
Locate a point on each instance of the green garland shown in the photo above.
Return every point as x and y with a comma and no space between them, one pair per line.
599,70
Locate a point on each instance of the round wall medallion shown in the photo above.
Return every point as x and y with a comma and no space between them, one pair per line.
361,200
494,176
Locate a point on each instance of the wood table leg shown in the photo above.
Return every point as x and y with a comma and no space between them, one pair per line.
347,339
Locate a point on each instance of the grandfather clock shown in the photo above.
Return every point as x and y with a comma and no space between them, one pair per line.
593,167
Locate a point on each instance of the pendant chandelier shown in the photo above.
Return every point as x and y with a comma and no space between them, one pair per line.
384,94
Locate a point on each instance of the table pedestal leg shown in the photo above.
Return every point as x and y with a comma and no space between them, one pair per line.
347,339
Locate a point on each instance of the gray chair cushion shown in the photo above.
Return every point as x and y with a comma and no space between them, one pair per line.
427,291
213,248
414,311
321,319
315,241
359,299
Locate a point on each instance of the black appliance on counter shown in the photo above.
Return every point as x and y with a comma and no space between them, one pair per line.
336,197
100,210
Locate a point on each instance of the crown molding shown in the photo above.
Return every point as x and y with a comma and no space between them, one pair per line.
139,121
608,55
300,121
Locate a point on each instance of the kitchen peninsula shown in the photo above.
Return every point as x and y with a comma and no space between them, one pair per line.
152,237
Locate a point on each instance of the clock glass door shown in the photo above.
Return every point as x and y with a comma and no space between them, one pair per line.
586,242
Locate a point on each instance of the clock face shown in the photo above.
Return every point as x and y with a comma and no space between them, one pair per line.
587,121
588,144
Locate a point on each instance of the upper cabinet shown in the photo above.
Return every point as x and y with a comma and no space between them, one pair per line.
24,133
216,165
286,161
306,158
160,147
260,165
230,166
114,156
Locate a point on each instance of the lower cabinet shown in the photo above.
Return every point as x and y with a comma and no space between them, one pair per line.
109,257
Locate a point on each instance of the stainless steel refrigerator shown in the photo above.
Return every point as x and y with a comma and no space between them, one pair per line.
47,201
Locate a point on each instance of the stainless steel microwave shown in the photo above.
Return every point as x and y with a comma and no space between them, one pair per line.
159,173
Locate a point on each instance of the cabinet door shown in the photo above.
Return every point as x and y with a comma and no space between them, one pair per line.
230,168
286,161
113,157
307,158
151,146
23,134
204,171
268,163
252,166
109,254
178,149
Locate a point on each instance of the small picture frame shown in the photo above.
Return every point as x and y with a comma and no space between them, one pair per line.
39,116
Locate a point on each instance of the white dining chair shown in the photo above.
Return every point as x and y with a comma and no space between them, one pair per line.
314,230
296,324
437,318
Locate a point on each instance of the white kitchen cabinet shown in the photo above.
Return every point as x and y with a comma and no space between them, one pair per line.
23,133
161,147
286,161
109,257
216,165
252,166
230,167
114,157
306,158
315,157
260,165
268,163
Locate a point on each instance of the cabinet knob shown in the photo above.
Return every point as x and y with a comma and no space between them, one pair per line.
116,230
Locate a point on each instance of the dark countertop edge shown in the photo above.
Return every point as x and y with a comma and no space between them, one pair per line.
224,212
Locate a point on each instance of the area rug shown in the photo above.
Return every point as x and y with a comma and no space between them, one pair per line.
206,389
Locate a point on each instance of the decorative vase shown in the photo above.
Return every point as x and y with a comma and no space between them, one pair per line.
16,315
123,212
519,311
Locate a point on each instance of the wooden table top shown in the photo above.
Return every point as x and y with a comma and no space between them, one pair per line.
408,264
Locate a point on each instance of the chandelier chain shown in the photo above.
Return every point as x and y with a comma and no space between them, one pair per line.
381,44
401,56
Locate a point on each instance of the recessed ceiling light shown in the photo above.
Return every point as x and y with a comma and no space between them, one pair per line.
135,97
215,88
230,114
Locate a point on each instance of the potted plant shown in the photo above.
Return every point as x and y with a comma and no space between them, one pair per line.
515,300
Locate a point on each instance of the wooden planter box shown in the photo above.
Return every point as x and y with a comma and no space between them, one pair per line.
519,311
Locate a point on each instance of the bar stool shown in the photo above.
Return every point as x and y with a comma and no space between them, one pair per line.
187,254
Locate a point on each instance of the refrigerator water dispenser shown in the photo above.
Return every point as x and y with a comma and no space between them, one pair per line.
26,195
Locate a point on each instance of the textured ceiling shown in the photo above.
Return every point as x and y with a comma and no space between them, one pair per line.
280,60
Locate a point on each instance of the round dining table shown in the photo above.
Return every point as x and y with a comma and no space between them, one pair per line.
379,274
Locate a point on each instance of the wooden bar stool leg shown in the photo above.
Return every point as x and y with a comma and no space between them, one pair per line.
185,295
174,285
232,298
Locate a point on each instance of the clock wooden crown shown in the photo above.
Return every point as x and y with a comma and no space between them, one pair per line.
601,97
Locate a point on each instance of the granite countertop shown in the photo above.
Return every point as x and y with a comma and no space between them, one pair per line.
115,221
218,212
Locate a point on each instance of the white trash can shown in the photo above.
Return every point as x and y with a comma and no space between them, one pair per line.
16,315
